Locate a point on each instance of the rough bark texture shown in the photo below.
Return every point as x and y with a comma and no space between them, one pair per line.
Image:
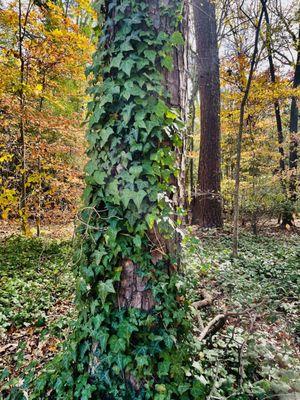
287,217
207,205
176,84
133,289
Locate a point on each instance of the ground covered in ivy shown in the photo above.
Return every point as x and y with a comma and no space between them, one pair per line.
252,352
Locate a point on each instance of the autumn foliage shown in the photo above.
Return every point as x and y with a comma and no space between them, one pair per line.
54,49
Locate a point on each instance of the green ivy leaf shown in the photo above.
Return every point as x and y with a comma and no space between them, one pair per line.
117,344
104,288
103,337
177,39
126,46
98,254
122,361
167,62
105,134
160,108
138,197
151,55
113,190
126,114
99,177
198,390
142,361
137,241
183,388
126,66
131,89
136,170
163,368
125,330
126,196
116,61
91,167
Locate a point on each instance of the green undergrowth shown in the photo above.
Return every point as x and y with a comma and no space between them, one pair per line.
34,275
254,355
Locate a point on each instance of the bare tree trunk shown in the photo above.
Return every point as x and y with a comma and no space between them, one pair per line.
273,80
21,123
191,132
191,169
39,195
239,141
207,207
294,121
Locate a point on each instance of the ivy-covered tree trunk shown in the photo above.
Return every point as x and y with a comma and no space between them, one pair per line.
132,334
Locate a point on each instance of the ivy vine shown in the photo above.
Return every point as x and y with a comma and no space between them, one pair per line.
119,352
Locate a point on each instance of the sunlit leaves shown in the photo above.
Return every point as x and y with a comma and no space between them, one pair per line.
104,288
176,38
55,51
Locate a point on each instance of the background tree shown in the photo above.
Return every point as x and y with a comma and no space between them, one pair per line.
294,123
240,137
207,204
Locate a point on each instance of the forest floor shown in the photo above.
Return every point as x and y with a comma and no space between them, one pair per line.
251,352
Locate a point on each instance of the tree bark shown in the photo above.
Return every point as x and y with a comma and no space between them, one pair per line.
23,197
273,80
175,82
207,205
294,122
153,257
239,141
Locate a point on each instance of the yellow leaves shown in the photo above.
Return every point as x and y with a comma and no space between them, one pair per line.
85,5
56,51
57,34
8,199
38,89
5,157
8,18
192,154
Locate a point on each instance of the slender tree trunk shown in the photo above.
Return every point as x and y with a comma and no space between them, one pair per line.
22,140
273,80
39,195
207,207
294,122
239,141
191,169
286,216
191,132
